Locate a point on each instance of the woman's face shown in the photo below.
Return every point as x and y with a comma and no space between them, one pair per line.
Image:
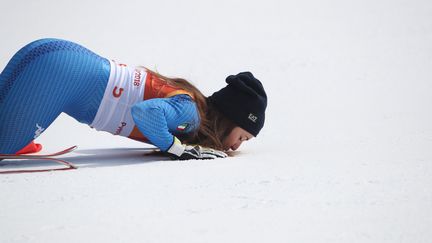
235,138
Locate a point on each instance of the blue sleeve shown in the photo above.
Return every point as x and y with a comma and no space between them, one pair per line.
160,119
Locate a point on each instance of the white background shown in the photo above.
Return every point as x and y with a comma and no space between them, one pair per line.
345,154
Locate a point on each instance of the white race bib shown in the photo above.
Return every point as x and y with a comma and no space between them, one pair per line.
125,88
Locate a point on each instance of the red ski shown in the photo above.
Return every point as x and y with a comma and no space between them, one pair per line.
39,157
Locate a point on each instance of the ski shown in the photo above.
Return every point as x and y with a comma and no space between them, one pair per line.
42,157
36,156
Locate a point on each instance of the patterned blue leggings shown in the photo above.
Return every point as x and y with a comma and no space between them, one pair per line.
44,79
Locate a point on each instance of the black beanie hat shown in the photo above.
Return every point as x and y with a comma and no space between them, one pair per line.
243,101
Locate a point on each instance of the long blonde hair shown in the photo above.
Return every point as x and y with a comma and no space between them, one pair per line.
214,126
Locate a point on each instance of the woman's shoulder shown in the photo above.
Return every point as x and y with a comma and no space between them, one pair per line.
182,97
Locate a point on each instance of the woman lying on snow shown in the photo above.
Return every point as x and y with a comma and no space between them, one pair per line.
51,76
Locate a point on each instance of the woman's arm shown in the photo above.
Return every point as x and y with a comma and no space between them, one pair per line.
157,118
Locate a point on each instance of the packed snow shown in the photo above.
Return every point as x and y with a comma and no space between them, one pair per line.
345,154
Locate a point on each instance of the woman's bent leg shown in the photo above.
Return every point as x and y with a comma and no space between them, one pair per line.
44,79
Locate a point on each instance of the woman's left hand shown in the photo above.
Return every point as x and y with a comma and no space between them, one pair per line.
198,152
185,152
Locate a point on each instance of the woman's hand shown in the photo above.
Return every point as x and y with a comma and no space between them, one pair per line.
185,152
198,152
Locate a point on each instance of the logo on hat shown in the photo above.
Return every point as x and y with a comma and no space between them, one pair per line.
252,117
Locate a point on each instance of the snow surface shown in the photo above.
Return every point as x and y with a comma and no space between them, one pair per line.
345,154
